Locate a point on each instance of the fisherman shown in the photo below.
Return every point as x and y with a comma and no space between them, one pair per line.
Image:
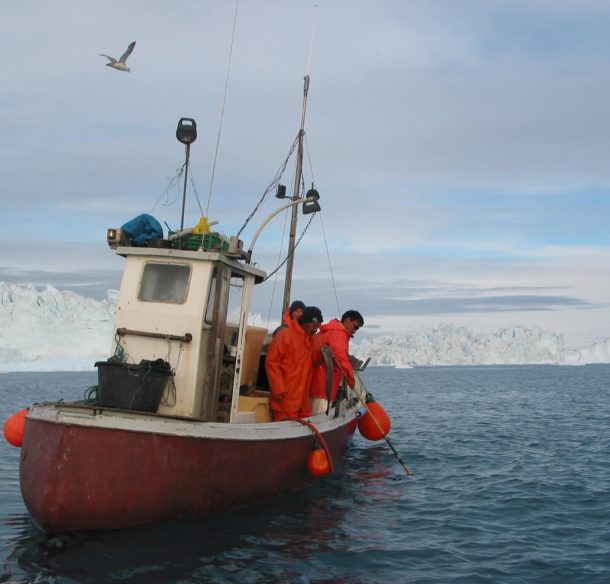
289,365
336,334
294,311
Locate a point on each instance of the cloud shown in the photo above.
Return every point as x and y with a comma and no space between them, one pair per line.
88,283
457,150
436,299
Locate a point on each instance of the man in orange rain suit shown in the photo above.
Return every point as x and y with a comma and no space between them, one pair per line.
289,365
293,312
336,335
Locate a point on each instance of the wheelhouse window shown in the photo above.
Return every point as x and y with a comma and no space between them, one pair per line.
165,283
209,313
236,293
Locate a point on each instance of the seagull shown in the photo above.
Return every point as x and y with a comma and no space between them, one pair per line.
121,63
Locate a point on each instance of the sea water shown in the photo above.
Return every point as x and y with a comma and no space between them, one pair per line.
510,484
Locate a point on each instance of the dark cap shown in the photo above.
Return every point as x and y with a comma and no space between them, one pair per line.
296,305
311,314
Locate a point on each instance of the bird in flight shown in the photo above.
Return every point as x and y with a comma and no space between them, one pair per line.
121,64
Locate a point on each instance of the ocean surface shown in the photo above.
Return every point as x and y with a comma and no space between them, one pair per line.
511,484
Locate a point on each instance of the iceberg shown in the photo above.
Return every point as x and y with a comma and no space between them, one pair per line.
448,344
59,330
53,330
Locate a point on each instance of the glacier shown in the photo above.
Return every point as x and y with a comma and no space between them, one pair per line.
53,330
448,344
59,330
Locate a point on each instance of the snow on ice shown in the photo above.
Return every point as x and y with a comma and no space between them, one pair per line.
53,330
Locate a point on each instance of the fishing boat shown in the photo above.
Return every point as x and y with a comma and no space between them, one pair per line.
178,424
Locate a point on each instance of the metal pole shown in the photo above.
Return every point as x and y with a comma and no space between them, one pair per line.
295,195
266,221
186,171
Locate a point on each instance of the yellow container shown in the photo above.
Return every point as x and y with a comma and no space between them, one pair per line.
257,404
255,337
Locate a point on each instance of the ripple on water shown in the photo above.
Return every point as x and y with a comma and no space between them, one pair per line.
510,485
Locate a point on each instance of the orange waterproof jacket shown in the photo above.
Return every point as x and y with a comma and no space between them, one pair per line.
335,335
289,365
285,321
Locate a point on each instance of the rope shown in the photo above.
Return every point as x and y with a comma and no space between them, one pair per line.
172,183
222,113
175,182
91,394
317,434
319,437
120,355
170,399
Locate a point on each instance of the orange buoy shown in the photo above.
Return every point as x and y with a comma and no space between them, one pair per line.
14,428
318,463
375,424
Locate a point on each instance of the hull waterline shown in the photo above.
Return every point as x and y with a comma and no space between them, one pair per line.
93,476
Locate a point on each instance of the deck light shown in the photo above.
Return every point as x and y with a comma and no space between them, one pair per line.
115,237
187,134
311,206
186,131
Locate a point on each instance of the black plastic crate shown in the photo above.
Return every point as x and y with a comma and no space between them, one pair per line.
132,387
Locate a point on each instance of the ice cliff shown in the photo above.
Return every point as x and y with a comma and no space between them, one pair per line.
53,330
451,345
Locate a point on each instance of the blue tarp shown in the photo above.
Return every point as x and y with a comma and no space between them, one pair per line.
142,228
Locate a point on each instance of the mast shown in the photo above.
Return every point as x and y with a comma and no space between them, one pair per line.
295,195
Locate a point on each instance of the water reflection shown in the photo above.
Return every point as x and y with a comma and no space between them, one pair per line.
270,542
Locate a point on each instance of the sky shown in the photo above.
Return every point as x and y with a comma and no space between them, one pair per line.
461,149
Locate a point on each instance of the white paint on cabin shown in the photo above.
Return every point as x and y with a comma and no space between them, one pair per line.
173,313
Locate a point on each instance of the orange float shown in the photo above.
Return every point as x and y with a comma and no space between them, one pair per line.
318,463
14,427
375,424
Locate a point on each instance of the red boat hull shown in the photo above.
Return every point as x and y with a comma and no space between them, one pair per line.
87,477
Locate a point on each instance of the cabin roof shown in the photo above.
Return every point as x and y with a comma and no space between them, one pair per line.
192,256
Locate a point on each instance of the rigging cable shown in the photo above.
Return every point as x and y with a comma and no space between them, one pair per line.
274,182
279,253
222,113
330,267
313,179
293,249
282,168
194,186
172,183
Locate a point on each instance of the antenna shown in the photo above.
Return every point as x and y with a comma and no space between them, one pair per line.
295,195
298,178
